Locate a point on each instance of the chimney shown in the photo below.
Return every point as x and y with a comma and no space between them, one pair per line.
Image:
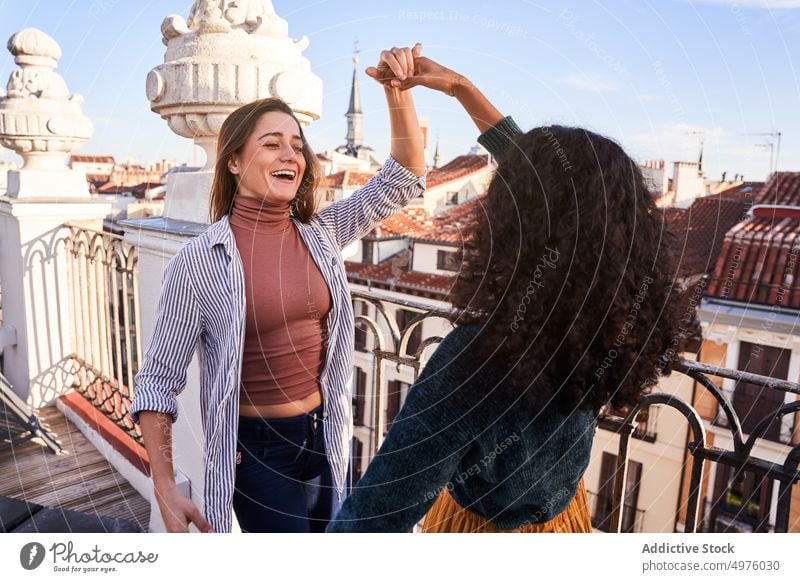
687,182
424,123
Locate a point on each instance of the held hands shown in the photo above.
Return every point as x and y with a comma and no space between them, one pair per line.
403,68
395,65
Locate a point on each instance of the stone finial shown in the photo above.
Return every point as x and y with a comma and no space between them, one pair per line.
30,46
39,119
228,53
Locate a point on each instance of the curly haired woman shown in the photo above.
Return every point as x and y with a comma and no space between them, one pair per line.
568,304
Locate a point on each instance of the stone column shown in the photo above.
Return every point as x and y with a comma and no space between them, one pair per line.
43,123
228,53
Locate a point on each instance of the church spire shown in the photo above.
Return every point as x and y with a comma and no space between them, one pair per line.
355,95
355,118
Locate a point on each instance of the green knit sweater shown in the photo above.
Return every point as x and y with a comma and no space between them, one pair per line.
459,430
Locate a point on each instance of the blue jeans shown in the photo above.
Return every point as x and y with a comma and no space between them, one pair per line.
283,480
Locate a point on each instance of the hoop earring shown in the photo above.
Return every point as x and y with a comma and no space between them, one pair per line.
295,202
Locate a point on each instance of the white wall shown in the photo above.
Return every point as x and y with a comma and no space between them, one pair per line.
426,255
687,181
467,187
385,249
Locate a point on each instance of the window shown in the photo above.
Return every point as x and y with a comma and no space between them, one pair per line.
448,260
359,395
605,495
742,501
753,403
360,308
356,454
452,198
395,395
404,318
366,251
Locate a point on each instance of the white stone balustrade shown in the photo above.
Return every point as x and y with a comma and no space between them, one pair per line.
43,123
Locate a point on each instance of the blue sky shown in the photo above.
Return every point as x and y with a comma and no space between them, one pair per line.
648,73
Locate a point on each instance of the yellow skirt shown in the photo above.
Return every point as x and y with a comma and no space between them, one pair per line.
448,516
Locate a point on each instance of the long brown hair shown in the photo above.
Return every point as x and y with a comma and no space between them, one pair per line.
232,137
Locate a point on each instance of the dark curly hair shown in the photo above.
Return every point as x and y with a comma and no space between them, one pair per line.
570,272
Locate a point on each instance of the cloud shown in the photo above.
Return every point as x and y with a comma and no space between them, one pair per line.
595,82
674,142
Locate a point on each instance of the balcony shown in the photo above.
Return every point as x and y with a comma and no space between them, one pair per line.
601,510
753,402
105,306
77,490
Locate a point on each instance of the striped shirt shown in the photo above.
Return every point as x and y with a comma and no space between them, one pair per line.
202,308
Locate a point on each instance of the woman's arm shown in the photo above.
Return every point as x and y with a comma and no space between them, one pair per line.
177,511
497,131
407,145
401,178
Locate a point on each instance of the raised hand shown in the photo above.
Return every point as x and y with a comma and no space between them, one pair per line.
395,65
430,74
393,70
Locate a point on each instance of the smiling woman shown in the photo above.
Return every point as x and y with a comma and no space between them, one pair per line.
272,160
263,296
264,155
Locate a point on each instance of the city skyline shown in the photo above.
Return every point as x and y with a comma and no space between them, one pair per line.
657,78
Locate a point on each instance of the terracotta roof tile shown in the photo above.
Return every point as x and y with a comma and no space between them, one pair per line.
782,188
348,179
701,228
457,168
395,275
452,226
759,263
92,159
357,179
408,220
111,188
745,191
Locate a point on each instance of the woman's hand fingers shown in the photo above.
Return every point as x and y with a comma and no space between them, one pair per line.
396,66
403,56
390,59
199,521
178,512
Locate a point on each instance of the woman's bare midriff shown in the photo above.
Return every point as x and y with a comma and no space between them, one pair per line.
285,410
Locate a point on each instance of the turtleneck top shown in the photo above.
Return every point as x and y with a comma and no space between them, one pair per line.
287,301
